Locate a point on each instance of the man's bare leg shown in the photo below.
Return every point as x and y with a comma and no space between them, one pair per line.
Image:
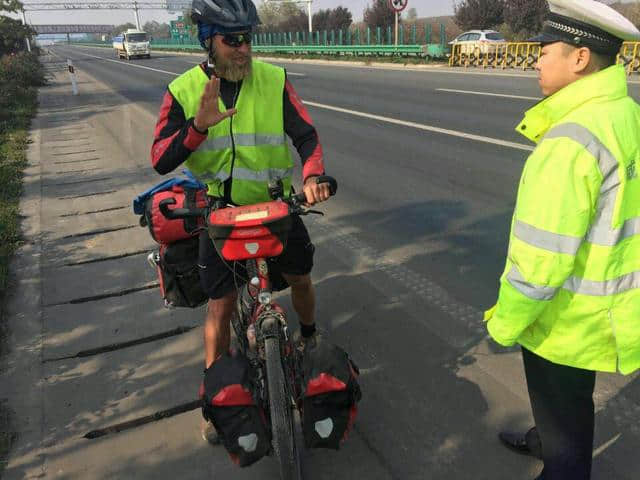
303,297
217,340
217,330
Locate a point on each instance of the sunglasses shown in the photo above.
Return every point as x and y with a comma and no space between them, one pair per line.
236,39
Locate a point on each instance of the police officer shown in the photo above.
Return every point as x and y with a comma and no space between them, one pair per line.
570,292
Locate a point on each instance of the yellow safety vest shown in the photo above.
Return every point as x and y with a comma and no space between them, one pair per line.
570,291
250,147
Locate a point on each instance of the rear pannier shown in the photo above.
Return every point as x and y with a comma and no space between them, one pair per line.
331,393
227,401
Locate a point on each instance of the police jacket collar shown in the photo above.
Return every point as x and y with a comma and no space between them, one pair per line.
607,84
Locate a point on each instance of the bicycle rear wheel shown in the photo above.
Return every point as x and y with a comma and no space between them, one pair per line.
284,442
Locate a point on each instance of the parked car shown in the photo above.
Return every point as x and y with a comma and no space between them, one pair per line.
478,41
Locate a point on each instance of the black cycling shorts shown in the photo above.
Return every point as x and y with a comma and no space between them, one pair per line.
217,275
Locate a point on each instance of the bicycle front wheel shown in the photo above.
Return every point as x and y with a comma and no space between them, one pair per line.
283,433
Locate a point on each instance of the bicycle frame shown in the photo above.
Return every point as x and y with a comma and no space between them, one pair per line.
269,319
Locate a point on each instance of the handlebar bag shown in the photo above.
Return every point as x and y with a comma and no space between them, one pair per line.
165,231
178,273
330,396
251,231
227,401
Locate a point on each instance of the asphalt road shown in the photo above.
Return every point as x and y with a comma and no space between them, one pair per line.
412,250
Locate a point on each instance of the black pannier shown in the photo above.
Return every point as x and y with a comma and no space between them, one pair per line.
227,401
178,274
331,393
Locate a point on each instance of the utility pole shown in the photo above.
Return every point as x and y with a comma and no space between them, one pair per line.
397,15
135,9
24,21
308,2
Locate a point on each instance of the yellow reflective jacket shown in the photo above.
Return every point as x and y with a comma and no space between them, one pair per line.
250,147
570,291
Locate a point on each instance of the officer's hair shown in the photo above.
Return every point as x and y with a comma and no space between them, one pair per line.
599,60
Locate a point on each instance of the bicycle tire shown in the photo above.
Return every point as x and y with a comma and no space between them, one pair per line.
283,433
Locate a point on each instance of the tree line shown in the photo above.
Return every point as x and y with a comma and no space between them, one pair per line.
517,19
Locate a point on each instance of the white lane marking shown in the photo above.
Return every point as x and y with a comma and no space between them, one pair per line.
130,64
428,128
488,94
419,126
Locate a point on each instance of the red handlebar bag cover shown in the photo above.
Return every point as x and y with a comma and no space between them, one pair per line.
251,231
165,231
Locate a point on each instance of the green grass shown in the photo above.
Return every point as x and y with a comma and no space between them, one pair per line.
20,76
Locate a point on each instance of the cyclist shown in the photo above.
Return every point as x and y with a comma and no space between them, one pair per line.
226,120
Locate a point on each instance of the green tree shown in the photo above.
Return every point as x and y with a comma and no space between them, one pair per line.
340,18
321,19
11,6
12,32
479,14
118,29
379,14
525,17
156,29
412,14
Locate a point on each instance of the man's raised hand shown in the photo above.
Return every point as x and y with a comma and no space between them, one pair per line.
209,113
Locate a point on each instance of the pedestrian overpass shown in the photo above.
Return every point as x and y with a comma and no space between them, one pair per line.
69,29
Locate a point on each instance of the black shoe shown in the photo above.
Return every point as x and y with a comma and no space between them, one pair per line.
524,444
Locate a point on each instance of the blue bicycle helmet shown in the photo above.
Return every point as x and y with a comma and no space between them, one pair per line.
223,16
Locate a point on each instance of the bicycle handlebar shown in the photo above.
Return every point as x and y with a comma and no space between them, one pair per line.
333,188
179,213
295,201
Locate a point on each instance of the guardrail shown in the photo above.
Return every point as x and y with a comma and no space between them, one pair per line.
524,55
434,50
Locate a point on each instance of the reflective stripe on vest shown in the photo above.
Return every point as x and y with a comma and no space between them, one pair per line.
552,242
535,292
241,140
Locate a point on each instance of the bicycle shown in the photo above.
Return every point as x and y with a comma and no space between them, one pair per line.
259,323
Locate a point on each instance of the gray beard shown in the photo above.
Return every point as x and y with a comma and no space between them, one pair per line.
231,71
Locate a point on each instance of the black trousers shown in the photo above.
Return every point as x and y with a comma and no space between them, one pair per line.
562,403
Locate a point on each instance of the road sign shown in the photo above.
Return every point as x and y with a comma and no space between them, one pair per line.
398,5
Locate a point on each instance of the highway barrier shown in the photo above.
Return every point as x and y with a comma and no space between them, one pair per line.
431,51
523,55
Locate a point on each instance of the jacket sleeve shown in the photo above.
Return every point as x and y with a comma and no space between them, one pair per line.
556,203
299,127
175,137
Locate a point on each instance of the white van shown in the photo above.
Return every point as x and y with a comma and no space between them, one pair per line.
132,43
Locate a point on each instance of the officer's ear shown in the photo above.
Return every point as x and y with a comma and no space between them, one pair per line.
581,59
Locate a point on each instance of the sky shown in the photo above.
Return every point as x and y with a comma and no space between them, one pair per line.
116,17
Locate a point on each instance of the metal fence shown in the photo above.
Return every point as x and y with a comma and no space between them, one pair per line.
523,55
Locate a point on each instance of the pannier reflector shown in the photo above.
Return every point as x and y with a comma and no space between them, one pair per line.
249,443
252,248
252,216
324,427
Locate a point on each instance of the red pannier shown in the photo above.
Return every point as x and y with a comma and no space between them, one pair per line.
165,231
228,403
252,231
331,393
